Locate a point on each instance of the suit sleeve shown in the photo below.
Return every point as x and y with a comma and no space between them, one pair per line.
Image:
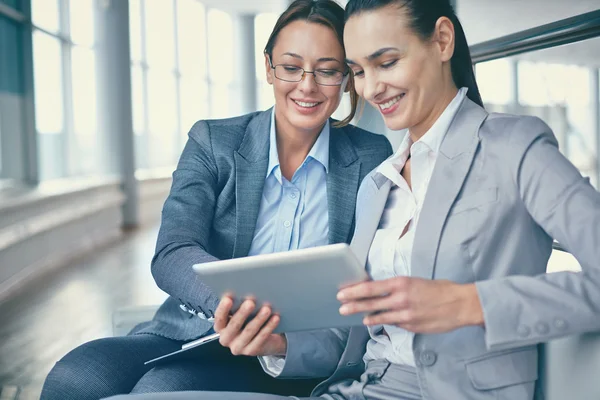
186,222
522,310
312,354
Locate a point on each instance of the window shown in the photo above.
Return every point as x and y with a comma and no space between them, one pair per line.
555,84
192,43
220,63
65,80
169,77
45,15
263,26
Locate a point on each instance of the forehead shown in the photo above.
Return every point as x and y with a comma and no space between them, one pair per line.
309,40
369,31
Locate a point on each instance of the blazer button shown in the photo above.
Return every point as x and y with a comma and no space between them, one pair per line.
524,331
428,358
542,328
560,324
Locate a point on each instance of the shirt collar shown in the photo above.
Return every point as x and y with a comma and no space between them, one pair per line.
319,151
432,139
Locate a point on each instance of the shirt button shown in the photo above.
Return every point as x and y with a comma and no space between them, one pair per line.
542,328
523,331
292,195
560,324
287,224
428,358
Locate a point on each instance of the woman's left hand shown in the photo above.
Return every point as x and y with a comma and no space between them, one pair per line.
415,304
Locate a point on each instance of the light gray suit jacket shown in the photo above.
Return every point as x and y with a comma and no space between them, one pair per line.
499,193
212,209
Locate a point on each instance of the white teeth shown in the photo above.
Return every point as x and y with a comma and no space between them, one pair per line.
390,103
306,105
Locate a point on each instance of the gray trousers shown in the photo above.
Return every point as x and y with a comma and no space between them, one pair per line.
381,381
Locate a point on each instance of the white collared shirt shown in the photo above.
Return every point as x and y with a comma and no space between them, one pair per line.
390,253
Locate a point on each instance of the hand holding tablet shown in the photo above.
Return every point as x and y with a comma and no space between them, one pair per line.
300,285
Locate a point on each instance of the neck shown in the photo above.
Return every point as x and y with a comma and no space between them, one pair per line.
416,132
293,145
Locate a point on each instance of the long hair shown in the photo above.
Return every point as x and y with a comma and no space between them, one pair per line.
423,15
324,12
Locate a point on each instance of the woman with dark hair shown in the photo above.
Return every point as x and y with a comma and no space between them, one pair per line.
265,182
455,229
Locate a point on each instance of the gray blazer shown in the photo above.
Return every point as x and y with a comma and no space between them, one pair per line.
212,209
499,193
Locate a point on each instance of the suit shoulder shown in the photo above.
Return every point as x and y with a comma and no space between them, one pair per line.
224,133
516,132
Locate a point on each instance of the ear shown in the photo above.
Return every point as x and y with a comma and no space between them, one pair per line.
445,38
269,70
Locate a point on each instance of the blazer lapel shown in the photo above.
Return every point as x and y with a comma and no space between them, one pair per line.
452,166
342,180
251,163
371,204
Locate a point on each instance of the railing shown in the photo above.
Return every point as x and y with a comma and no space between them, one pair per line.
570,30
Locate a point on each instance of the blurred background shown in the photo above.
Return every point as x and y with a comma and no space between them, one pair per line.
97,97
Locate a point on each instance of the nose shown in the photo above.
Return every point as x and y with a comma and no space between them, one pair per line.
308,84
372,87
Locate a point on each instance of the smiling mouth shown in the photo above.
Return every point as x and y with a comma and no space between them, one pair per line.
306,105
388,104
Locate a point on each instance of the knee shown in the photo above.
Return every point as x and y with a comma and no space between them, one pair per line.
81,374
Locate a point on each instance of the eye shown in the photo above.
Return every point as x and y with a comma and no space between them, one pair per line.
389,64
328,72
290,68
358,74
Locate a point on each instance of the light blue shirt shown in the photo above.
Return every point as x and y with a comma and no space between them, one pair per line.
293,215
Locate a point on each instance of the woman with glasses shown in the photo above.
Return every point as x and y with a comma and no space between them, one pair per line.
265,182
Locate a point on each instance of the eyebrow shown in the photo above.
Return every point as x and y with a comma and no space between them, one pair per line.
322,59
375,55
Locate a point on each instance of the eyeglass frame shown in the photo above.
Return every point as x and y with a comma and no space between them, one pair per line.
304,72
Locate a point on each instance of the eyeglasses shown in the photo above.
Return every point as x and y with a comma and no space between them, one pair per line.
292,73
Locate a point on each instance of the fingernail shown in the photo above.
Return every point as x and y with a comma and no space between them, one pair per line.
344,310
341,296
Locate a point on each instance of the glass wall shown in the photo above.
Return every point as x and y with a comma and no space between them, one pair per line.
64,58
263,26
558,85
171,79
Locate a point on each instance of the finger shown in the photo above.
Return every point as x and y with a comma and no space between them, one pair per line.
401,317
238,345
395,301
255,347
222,313
232,330
373,288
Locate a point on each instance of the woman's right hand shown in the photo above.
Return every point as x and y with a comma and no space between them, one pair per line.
255,338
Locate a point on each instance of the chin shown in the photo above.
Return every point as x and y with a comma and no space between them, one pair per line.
307,122
396,123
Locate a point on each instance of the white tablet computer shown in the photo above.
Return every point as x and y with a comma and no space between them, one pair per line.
300,285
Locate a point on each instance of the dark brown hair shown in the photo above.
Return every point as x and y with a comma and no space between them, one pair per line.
324,12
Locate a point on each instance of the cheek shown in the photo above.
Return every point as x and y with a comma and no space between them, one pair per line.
332,93
359,86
